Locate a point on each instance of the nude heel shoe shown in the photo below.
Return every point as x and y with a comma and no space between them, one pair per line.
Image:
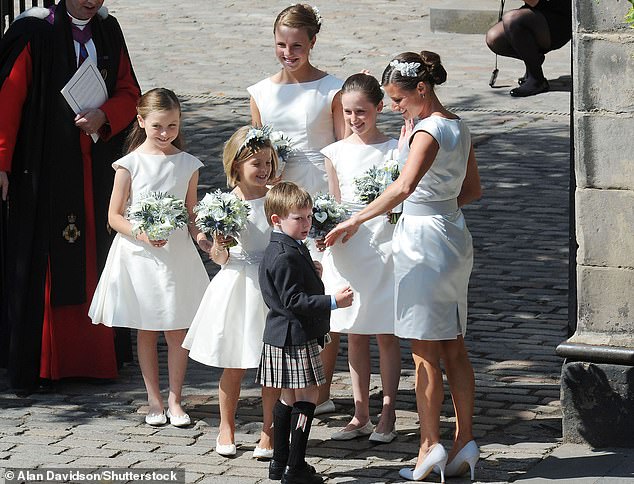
466,458
435,460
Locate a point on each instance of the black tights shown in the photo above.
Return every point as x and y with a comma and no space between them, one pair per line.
522,34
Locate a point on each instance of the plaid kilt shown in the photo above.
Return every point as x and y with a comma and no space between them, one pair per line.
297,366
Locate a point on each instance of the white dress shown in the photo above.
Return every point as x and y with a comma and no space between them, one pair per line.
303,111
228,327
145,287
432,247
365,261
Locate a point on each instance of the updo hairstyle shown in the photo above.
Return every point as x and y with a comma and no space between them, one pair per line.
365,84
430,71
299,16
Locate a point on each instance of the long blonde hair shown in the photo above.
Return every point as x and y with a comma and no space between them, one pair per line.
158,99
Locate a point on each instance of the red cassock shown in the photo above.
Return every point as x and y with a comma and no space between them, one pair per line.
71,345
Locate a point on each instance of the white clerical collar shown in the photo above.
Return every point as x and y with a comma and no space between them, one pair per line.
80,23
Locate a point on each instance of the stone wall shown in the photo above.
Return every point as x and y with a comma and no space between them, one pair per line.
600,354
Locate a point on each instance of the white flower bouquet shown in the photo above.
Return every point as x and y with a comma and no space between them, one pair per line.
221,213
327,213
157,214
373,182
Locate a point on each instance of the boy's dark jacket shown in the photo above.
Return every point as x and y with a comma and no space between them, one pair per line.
298,309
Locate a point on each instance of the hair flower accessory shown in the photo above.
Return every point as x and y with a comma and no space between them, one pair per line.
407,69
317,15
257,136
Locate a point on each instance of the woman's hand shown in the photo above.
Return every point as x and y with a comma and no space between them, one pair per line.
347,228
224,241
318,267
406,133
320,244
4,184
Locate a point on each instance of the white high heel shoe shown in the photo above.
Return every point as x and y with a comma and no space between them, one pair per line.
466,458
435,460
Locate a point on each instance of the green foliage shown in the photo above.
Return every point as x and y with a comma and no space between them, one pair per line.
629,16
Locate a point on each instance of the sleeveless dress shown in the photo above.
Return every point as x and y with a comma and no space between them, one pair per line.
145,287
365,261
303,111
228,327
432,247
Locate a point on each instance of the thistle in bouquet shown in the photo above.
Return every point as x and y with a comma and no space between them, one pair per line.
283,146
221,214
157,214
327,213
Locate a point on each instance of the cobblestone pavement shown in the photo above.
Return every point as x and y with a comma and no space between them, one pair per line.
518,292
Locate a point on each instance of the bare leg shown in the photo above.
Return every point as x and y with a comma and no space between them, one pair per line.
329,359
390,361
269,397
429,392
462,385
359,363
148,361
176,366
228,395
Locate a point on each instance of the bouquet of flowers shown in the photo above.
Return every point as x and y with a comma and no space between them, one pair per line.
327,213
283,146
374,182
221,213
157,214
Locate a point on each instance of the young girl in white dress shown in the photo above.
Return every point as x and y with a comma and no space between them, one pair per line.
228,327
305,103
154,285
433,255
365,263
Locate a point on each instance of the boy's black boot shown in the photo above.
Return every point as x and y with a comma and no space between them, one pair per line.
281,434
304,474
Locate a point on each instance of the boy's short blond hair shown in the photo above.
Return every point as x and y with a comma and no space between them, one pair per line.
285,197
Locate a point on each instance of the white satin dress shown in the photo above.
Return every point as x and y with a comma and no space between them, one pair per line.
228,327
365,261
303,111
145,287
432,247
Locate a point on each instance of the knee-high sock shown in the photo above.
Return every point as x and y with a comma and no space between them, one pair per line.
281,431
301,420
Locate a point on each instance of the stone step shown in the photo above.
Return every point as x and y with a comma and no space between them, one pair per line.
472,17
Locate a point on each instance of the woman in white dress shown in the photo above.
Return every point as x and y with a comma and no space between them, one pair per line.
366,262
305,103
228,327
154,285
433,254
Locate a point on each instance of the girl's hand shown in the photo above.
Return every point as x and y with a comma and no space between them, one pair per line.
320,244
318,267
154,243
347,228
206,245
406,132
224,241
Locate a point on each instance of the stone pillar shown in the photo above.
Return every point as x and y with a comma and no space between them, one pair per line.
597,386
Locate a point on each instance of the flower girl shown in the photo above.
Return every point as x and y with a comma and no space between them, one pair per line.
228,327
147,284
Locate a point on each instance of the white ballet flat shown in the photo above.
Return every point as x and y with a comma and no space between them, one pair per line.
464,460
261,453
435,460
156,419
325,407
383,438
225,450
354,433
179,420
